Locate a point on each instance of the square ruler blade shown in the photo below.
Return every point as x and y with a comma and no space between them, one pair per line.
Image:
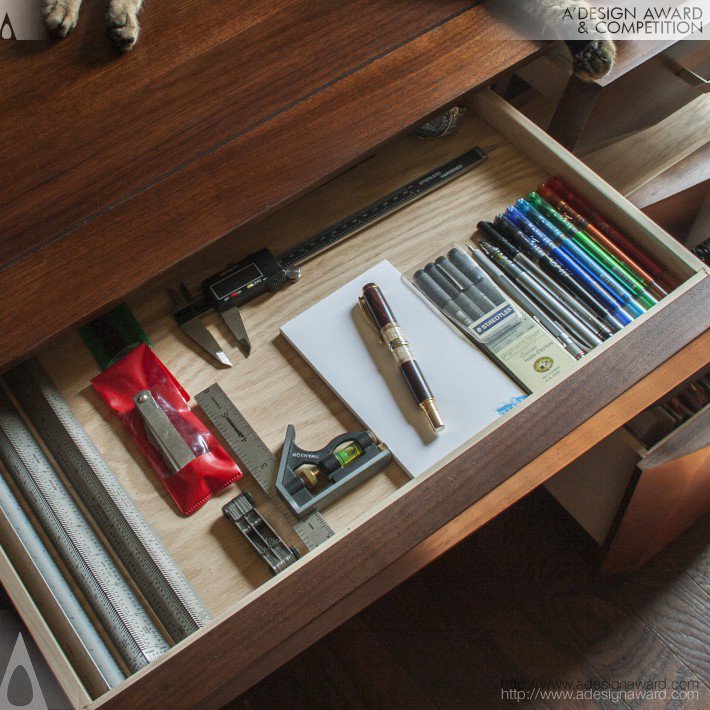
258,460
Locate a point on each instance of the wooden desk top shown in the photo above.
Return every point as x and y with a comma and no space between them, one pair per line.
117,168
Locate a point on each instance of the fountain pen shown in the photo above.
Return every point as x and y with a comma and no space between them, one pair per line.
379,314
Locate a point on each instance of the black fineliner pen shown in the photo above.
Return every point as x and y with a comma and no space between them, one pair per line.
556,271
577,308
555,329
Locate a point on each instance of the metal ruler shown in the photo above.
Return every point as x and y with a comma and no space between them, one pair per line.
128,625
105,669
150,565
383,207
258,459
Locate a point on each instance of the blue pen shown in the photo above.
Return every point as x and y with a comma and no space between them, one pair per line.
538,237
619,294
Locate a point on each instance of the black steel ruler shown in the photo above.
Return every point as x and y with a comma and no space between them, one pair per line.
262,272
383,207
256,456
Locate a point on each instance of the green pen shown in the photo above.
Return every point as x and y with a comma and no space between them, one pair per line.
631,282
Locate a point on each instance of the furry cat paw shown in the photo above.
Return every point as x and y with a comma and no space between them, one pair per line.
594,60
60,16
122,23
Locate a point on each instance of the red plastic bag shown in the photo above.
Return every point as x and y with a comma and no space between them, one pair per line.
210,471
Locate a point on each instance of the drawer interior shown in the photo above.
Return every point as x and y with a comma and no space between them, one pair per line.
275,386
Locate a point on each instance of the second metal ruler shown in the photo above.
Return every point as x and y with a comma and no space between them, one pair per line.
126,622
258,459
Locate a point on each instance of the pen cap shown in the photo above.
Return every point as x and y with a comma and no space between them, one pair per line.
485,263
464,263
441,280
498,257
548,194
544,224
532,231
377,306
550,213
452,272
496,238
431,289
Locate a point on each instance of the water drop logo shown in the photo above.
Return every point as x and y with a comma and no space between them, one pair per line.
21,19
6,31
19,687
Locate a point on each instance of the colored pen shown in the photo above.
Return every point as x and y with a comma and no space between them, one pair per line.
539,256
514,253
578,272
617,269
583,223
541,296
605,228
462,300
379,314
607,281
518,295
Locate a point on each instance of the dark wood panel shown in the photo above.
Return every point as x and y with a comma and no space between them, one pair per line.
100,261
342,567
494,596
666,500
93,131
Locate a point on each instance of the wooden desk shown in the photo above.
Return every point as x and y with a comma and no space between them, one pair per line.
153,173
118,168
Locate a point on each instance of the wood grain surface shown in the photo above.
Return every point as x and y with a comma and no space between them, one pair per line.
392,529
491,615
120,168
387,517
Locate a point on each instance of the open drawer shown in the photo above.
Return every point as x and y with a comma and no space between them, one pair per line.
259,622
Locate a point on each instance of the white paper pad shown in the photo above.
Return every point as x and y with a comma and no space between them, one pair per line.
336,340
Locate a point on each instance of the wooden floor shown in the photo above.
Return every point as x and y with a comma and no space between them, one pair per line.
517,605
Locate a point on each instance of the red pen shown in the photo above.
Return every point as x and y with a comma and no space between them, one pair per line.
583,223
611,232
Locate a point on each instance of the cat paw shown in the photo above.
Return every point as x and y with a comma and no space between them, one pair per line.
60,16
122,24
595,60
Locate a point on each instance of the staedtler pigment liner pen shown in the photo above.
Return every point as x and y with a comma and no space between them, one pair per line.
617,269
620,295
553,269
603,226
582,222
517,256
471,308
577,271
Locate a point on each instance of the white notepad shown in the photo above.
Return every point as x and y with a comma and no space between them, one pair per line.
336,340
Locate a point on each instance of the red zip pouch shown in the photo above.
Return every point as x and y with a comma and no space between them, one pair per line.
153,407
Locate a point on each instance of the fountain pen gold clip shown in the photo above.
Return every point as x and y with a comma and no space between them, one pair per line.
365,308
